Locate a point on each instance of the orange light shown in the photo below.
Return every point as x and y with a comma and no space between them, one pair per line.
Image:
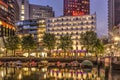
76,13
0,22
7,25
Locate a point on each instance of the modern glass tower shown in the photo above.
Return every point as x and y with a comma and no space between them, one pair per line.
76,7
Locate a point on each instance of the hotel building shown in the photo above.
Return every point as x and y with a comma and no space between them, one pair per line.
71,25
76,7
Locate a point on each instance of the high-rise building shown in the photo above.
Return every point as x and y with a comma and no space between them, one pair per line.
33,11
71,25
113,13
9,12
24,9
38,11
76,7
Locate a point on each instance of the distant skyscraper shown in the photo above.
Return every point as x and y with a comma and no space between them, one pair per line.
113,13
24,9
76,7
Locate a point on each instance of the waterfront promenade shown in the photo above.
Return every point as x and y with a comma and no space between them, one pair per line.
50,59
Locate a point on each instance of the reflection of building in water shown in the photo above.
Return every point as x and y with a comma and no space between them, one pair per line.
48,74
72,74
115,75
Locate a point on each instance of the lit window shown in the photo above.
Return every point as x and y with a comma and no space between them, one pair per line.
22,17
22,11
22,7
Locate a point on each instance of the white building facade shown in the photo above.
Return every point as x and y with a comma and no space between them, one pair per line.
72,25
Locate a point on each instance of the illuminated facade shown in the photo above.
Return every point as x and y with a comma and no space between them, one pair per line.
33,11
36,27
38,11
9,12
76,7
72,25
24,9
53,73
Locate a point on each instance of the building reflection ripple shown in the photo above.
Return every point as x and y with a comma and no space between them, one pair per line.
18,73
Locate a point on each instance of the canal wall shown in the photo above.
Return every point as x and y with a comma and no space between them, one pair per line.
23,59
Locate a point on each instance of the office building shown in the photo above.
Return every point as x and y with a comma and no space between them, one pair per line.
76,7
24,9
38,11
35,27
33,11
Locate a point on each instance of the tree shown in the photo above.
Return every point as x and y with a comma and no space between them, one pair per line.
12,43
88,39
98,47
49,41
28,43
65,43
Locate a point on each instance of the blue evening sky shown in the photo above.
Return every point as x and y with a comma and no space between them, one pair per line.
98,6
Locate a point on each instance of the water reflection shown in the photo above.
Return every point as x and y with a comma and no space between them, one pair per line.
7,73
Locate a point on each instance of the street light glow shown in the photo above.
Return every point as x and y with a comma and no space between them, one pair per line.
117,38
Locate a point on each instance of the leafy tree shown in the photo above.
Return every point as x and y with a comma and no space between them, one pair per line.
98,47
12,43
49,41
28,43
88,40
65,43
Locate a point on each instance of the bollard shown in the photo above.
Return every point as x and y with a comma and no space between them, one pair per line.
98,66
107,67
107,73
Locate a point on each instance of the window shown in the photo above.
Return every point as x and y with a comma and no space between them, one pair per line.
22,7
22,17
22,11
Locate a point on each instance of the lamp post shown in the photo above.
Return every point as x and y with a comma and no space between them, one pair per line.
1,49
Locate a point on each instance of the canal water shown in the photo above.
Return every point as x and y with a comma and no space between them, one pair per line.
19,73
